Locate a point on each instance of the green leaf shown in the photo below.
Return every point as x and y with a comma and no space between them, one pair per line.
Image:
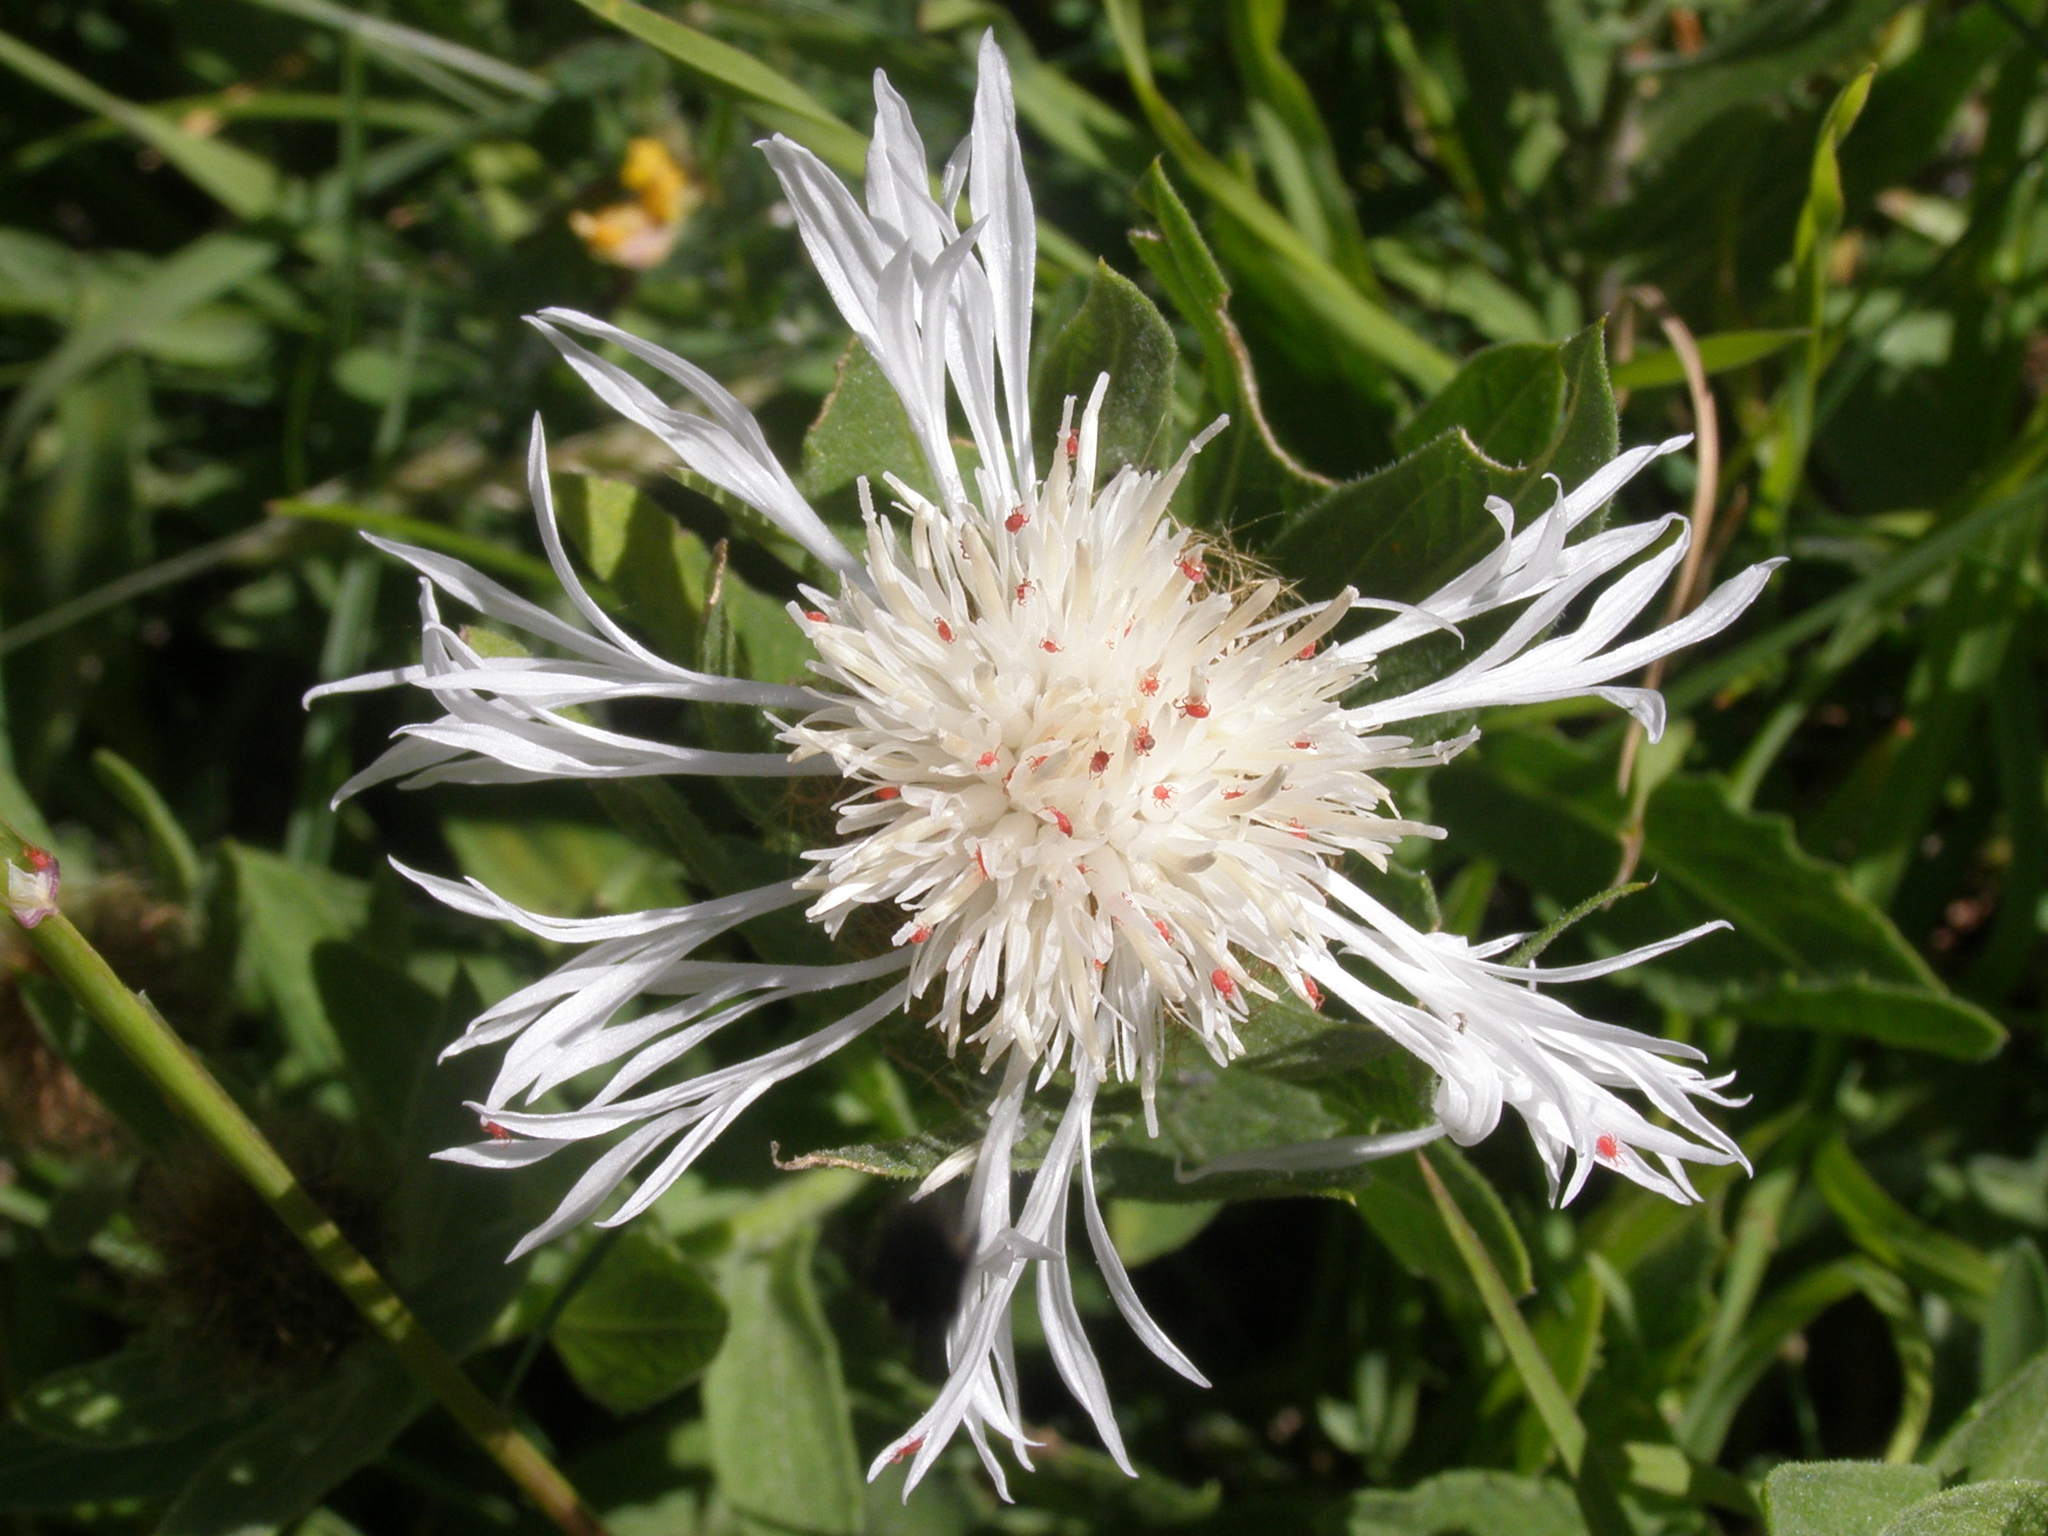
1547,810
1720,353
1984,1509
1398,1208
555,865
484,554
781,1428
449,1226
1508,399
1913,1019
1728,1377
135,1397
643,1327
275,1471
245,185
1841,1498
407,45
1355,319
43,1474
389,1029
775,1216
1144,1230
1117,331
748,634
202,271
659,572
1248,464
1304,1077
771,98
1468,1502
901,1157
1404,530
1820,218
282,911
173,860
2004,1434
861,430
2016,1324
1895,1237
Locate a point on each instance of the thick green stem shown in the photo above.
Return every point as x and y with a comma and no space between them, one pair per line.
198,1097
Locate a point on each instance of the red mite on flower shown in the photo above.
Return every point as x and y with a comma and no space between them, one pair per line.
1028,945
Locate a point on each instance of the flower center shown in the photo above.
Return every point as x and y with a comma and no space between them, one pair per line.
1100,795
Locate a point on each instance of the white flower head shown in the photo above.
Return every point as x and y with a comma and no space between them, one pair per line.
32,886
1104,794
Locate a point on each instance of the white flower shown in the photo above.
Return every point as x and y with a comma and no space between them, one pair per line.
1105,794
32,891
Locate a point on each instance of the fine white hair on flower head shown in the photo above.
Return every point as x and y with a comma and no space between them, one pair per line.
1104,796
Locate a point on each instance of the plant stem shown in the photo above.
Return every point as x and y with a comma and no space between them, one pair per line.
197,1096
1597,1501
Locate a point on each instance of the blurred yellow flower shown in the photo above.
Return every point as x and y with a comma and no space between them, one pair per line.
641,230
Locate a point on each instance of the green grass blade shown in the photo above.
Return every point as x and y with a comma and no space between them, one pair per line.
245,185
1320,286
204,270
481,553
1719,353
395,40
1819,221
175,861
1546,1393
774,98
1888,583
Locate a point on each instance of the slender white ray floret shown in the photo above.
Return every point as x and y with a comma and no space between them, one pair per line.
1104,795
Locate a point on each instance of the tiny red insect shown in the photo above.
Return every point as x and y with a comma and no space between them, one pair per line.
986,760
1023,591
1302,744
1050,647
496,1131
1220,980
1149,684
907,1448
1233,794
921,935
1607,1147
1165,932
815,616
1059,819
1162,793
1197,709
1306,652
887,792
1016,520
1312,992
1194,570
1073,445
1142,742
1098,762
945,632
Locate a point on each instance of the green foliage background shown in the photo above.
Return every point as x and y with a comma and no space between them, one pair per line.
261,263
